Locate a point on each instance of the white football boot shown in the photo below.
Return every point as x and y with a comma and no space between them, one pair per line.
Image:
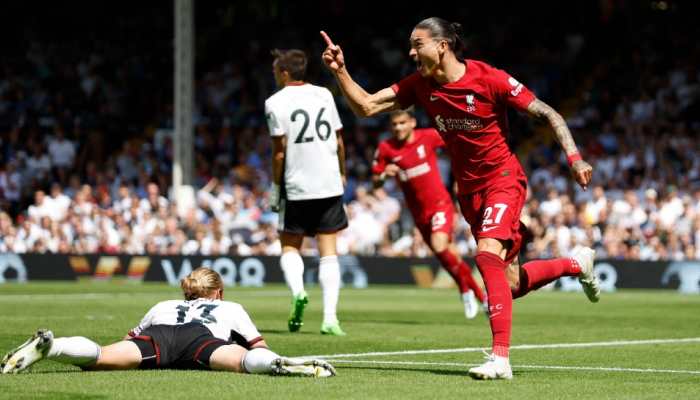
28,353
495,367
301,367
589,280
471,306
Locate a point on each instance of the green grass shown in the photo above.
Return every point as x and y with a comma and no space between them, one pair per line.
384,318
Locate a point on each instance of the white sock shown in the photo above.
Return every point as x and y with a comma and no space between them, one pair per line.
76,350
502,360
293,267
329,277
259,361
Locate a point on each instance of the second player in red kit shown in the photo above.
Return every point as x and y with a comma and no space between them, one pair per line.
411,157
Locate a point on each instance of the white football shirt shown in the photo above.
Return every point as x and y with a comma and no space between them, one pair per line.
221,317
307,115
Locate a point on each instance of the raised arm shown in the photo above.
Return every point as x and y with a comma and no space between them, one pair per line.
581,170
362,103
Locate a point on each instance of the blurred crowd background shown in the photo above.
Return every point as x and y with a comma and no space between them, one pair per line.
86,124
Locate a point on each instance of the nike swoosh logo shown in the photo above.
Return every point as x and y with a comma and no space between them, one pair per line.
433,98
488,228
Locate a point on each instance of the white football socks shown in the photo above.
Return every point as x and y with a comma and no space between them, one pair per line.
329,277
259,361
293,267
76,350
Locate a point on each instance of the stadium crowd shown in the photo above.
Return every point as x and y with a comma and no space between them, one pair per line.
86,146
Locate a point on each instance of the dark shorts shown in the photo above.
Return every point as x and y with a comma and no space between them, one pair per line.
311,217
187,346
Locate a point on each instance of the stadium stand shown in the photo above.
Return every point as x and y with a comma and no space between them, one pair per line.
86,134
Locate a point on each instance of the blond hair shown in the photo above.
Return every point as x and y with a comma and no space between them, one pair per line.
202,282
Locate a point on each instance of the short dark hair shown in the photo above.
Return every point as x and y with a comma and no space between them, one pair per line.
293,61
448,31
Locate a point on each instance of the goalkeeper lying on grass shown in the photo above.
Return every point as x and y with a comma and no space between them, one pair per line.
200,332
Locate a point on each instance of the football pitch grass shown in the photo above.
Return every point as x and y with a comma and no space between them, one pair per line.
402,343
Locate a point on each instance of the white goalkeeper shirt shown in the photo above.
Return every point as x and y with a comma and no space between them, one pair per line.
221,317
307,115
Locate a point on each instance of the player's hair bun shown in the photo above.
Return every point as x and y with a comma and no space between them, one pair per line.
458,45
202,282
457,28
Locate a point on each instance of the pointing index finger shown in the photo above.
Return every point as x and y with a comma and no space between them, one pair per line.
328,40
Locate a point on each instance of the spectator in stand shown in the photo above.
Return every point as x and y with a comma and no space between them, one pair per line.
38,164
154,201
10,185
61,150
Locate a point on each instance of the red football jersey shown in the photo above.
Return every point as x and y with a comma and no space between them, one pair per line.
419,176
471,116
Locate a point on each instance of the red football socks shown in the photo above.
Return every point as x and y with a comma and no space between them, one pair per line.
493,270
460,272
538,273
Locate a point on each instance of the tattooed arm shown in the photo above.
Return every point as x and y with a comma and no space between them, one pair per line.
542,110
581,170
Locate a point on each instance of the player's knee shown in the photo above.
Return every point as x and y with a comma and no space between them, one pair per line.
493,246
513,281
439,241
513,275
327,245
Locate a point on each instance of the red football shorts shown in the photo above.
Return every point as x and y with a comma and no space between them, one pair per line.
439,219
494,212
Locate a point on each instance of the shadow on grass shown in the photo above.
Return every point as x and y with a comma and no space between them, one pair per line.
263,331
448,372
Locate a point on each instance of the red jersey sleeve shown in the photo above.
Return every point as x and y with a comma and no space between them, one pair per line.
435,139
405,90
507,90
379,163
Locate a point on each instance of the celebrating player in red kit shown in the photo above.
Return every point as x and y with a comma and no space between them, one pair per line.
410,157
467,101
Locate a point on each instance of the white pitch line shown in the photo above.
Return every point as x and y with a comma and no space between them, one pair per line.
559,367
518,347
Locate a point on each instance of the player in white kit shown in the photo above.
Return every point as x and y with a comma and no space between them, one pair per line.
308,168
201,332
